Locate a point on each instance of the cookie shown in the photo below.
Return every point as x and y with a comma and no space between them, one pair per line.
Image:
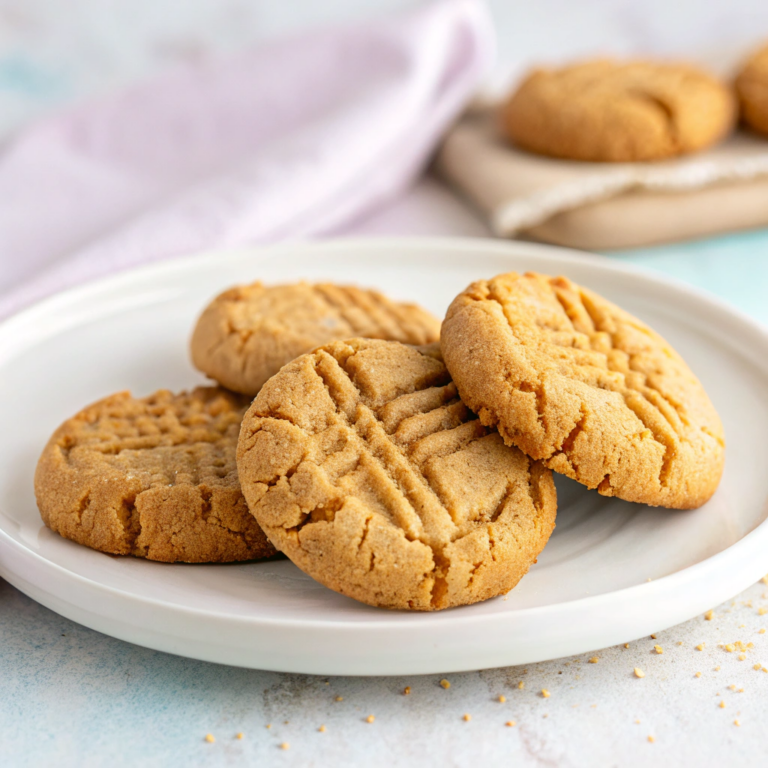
364,467
247,334
578,383
752,89
153,477
618,112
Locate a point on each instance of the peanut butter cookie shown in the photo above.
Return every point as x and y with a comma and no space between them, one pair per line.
590,390
364,467
618,112
248,333
153,477
752,89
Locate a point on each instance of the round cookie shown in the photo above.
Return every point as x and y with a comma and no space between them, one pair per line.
153,478
364,467
752,89
585,387
248,333
618,112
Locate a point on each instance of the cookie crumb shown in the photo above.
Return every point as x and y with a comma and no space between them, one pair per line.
700,647
722,705
407,690
445,683
502,698
761,632
339,698
730,647
651,739
639,672
709,615
658,649
321,729
732,687
285,745
369,719
521,685
545,693
268,725
467,718
742,656
698,674
736,722
209,737
239,735
764,579
626,645
510,723
653,637
717,669
637,722
594,660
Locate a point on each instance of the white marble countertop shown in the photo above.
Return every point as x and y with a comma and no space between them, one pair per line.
73,697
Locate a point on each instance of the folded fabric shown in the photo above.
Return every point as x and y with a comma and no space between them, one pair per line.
606,205
291,139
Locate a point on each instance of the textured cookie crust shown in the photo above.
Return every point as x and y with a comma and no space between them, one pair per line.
618,112
364,467
247,334
154,478
752,89
585,387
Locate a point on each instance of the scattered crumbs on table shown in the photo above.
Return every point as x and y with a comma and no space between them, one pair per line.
210,738
626,645
742,656
761,632
764,579
285,745
321,729
653,637
709,615
741,690
756,667
594,660
651,739
736,722
722,705
521,685
732,687
545,693
679,642
637,722
717,669
698,674
658,649
369,719
239,735
730,647
700,647
286,722
639,672
268,725
510,723
407,690
445,684
545,715
466,718
502,698
339,698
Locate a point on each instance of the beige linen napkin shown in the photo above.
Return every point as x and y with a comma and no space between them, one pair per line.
606,205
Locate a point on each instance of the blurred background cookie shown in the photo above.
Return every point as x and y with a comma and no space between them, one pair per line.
613,111
152,477
752,89
365,468
249,332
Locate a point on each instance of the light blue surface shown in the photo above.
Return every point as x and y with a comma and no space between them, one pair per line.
72,697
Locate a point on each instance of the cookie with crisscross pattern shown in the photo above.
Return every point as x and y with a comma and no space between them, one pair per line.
580,384
362,465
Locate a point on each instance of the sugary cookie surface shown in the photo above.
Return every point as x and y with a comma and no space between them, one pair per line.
618,112
585,387
153,477
248,333
364,467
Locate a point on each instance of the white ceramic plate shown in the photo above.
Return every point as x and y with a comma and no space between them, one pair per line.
612,572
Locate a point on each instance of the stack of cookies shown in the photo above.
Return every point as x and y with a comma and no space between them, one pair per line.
403,464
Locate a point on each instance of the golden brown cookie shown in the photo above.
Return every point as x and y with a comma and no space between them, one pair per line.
248,333
585,387
364,467
752,89
154,478
618,112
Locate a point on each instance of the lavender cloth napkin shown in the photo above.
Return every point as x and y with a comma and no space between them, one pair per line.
292,139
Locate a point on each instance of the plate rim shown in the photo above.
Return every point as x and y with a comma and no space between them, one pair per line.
396,620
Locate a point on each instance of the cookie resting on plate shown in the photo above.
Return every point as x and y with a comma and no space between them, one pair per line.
578,383
153,477
365,468
248,333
